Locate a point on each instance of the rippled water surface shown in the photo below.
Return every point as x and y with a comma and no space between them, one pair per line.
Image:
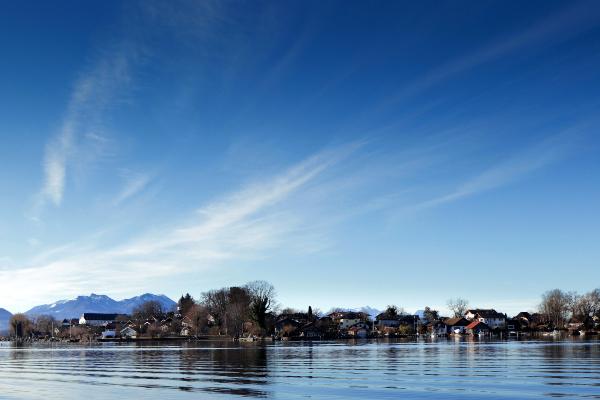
440,369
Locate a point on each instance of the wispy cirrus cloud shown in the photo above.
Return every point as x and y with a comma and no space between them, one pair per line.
514,168
241,225
90,97
292,209
553,29
135,183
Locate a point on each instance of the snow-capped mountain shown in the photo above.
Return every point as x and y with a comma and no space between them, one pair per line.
99,304
372,312
127,305
4,319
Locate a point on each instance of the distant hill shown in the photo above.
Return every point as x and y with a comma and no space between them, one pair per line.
4,319
99,304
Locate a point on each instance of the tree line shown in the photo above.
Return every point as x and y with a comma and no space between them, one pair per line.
252,309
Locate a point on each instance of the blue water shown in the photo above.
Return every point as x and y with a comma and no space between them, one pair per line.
439,369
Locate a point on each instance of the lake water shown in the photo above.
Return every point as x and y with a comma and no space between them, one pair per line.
439,369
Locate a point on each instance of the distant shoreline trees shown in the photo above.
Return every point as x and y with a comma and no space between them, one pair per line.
252,310
559,307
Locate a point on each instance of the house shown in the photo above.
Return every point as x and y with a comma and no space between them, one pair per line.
358,331
524,316
300,317
153,321
128,332
477,327
329,329
437,328
110,331
575,324
286,326
515,324
387,320
311,331
490,317
456,325
109,334
410,320
70,322
97,319
345,319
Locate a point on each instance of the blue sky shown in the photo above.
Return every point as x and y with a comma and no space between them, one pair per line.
350,153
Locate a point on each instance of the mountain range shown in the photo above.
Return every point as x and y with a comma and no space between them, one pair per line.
372,312
4,318
98,303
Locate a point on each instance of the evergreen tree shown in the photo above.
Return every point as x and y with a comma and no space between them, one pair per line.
185,303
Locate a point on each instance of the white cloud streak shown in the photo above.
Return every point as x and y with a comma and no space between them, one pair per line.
135,183
506,172
242,225
90,97
555,28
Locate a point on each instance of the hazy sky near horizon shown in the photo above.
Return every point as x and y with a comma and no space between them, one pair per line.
351,153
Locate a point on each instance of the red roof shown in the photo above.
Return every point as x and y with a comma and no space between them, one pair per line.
475,324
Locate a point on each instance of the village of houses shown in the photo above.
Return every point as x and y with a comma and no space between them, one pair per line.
249,313
305,326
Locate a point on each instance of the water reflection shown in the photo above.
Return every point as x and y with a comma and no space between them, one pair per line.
383,369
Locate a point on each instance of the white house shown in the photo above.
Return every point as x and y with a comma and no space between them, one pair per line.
490,317
346,319
346,323
456,325
128,332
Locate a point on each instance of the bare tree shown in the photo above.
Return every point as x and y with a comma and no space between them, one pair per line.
44,324
262,297
197,316
20,325
216,302
586,306
458,306
555,307
317,313
147,310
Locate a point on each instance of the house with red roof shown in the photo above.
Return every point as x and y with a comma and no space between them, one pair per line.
477,328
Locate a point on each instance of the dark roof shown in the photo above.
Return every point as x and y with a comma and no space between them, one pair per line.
287,321
524,314
99,317
460,321
485,313
437,323
311,326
